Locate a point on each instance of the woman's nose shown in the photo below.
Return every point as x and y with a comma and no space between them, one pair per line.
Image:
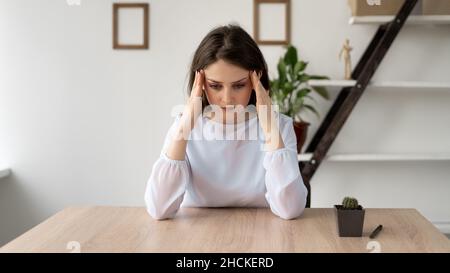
227,97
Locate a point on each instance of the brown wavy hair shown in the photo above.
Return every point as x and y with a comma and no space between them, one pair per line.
234,45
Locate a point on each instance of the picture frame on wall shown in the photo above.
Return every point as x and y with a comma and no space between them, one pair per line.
131,25
272,22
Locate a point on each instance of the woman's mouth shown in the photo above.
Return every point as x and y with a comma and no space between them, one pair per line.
228,107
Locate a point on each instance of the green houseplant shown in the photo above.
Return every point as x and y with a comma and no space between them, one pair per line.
292,93
350,217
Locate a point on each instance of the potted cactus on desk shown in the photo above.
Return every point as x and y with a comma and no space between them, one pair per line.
350,217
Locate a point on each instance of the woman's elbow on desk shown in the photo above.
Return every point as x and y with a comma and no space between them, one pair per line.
158,212
157,215
291,205
292,214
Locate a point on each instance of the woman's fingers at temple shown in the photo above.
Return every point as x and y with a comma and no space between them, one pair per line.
257,86
197,87
252,78
195,80
201,82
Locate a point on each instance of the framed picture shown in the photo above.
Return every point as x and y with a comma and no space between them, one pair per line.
130,25
272,22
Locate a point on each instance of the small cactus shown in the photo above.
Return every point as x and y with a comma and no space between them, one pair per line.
350,203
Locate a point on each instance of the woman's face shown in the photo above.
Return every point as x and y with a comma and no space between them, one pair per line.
227,85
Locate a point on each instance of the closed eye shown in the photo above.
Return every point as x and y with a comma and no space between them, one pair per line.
215,86
218,87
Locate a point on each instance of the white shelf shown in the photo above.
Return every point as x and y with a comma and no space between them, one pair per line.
332,83
413,19
304,157
4,172
384,84
380,157
406,84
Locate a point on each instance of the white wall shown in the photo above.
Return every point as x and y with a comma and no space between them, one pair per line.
82,124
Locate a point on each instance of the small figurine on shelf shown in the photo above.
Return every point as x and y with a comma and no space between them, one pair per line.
346,48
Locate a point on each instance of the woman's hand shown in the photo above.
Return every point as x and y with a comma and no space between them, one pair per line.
193,107
194,104
266,115
198,86
192,110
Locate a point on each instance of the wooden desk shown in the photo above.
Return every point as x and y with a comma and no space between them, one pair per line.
128,229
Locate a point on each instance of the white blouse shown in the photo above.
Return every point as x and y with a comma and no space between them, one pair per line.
226,166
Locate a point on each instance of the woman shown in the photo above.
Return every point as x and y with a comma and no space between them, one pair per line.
209,158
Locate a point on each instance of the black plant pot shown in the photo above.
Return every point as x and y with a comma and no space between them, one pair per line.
350,221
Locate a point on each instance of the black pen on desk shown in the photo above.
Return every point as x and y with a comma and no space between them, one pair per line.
376,231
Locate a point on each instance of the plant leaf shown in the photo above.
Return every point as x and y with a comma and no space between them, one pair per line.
317,77
303,77
282,71
288,88
312,109
303,92
299,67
322,91
291,57
275,85
297,105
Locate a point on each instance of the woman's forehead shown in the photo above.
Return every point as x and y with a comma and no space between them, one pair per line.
224,72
